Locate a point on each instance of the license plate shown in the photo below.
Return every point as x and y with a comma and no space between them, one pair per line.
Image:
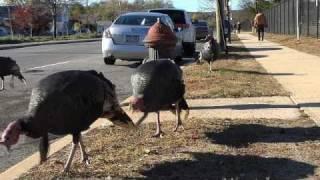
132,38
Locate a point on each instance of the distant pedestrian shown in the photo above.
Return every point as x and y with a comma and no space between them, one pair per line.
227,31
235,27
260,22
238,27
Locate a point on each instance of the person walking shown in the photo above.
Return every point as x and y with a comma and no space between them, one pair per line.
238,27
260,22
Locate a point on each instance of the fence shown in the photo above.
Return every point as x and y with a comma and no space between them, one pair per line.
282,17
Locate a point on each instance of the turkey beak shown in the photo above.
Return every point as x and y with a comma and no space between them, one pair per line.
121,118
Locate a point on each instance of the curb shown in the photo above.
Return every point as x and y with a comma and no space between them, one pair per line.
312,116
22,45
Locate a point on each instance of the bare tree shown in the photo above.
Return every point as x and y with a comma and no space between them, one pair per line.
253,5
207,5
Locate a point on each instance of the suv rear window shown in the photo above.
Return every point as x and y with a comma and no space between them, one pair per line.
176,16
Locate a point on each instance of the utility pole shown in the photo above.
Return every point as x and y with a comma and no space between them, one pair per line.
317,5
218,22
229,20
297,19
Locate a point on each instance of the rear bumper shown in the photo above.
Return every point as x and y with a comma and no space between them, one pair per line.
126,52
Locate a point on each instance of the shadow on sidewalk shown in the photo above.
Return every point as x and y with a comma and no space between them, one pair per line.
256,72
242,49
245,106
263,49
214,166
313,104
243,56
242,135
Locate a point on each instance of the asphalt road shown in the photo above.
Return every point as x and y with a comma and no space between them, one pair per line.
39,61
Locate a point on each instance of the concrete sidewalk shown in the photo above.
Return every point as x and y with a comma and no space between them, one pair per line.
298,72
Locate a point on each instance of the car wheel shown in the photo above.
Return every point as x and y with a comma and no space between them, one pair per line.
189,49
109,60
177,59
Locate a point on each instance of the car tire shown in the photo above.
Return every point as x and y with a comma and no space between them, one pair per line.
189,49
178,59
109,60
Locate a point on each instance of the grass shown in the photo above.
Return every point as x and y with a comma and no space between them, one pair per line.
306,44
24,39
206,149
235,75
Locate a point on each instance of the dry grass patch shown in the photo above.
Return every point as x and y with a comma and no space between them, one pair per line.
206,149
306,44
236,75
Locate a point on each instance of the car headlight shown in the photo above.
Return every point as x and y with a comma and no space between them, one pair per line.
107,34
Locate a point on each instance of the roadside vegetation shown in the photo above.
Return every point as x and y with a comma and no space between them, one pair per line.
33,18
24,39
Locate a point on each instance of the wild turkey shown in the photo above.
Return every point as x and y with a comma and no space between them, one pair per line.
67,102
209,51
158,85
9,67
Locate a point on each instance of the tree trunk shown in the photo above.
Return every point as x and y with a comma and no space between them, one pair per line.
31,30
54,15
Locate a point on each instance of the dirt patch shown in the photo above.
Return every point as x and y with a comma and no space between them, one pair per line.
235,75
206,149
306,44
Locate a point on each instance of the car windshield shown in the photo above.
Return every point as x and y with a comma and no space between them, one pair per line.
176,16
138,20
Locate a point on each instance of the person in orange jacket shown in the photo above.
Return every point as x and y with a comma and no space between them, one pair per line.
260,22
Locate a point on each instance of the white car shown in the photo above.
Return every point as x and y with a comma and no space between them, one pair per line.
124,38
182,21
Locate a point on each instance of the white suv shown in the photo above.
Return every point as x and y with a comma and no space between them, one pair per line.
182,21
